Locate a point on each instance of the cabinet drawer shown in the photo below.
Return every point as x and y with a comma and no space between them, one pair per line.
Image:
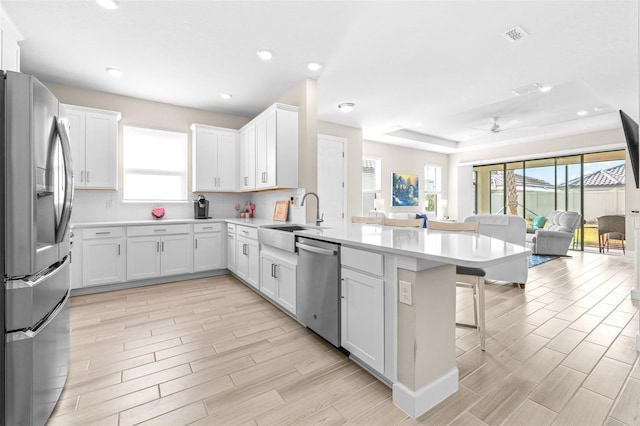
247,231
366,261
199,228
231,228
104,232
134,231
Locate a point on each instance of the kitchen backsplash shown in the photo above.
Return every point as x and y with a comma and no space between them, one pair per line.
98,206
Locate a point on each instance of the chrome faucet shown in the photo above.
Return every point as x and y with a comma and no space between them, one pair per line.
319,219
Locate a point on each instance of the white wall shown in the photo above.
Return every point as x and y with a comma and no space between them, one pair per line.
397,159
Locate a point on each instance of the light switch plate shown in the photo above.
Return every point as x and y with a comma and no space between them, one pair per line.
405,292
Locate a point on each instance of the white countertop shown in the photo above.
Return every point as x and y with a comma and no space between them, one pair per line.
139,222
463,249
459,248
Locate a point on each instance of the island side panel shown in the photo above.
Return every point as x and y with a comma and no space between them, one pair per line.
427,372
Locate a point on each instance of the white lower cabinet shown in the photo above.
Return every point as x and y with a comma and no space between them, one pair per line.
158,251
176,254
231,247
248,255
362,309
208,247
278,280
103,256
143,259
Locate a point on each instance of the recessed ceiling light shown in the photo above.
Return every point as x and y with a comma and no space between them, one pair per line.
346,106
114,72
314,66
582,112
545,89
265,55
109,4
226,95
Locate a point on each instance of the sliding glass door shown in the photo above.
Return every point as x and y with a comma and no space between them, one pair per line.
590,184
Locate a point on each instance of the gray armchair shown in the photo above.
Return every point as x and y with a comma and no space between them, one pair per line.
556,236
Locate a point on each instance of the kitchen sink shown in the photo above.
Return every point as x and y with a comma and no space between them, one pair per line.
279,236
287,228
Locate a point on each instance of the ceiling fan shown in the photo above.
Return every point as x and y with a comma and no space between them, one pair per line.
495,127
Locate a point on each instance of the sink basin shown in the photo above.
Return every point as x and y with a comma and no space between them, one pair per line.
279,236
288,228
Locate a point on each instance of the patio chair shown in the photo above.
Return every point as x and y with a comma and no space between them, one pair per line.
610,227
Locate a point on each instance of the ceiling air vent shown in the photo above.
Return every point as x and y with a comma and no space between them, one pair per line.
515,34
529,88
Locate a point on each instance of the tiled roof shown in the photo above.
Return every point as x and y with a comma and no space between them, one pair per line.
613,176
497,180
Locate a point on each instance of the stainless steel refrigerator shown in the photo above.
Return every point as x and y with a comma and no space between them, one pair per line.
36,207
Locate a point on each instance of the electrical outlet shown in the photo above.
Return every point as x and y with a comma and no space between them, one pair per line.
405,292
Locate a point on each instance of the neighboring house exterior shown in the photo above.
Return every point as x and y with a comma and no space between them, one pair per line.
603,192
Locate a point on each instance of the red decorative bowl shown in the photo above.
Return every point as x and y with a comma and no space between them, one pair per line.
158,212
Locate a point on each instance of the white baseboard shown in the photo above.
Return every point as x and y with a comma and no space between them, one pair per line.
416,403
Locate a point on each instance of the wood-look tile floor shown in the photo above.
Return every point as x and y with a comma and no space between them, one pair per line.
212,352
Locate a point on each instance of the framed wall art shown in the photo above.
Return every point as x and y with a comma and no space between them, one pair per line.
405,190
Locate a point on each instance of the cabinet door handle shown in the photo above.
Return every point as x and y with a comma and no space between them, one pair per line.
163,246
275,271
118,249
245,249
158,247
103,233
196,241
82,176
342,288
159,230
87,176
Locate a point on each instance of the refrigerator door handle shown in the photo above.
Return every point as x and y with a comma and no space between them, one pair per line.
65,215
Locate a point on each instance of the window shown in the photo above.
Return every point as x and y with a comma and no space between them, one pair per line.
155,165
371,183
433,189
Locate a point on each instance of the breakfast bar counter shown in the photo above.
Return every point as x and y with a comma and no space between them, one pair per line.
420,356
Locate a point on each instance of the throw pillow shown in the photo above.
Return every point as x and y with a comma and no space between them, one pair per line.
539,222
424,219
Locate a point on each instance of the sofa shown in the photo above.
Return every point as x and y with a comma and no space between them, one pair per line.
512,229
413,215
555,238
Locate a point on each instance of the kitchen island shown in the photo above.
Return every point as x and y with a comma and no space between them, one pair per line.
419,358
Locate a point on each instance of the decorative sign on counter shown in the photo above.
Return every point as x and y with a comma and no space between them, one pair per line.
281,211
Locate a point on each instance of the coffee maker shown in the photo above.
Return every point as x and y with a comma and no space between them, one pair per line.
201,208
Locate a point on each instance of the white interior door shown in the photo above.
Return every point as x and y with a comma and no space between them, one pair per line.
331,177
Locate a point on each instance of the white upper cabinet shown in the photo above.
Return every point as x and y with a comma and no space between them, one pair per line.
247,158
215,156
276,147
9,38
94,146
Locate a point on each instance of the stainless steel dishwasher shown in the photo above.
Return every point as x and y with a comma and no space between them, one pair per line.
318,297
